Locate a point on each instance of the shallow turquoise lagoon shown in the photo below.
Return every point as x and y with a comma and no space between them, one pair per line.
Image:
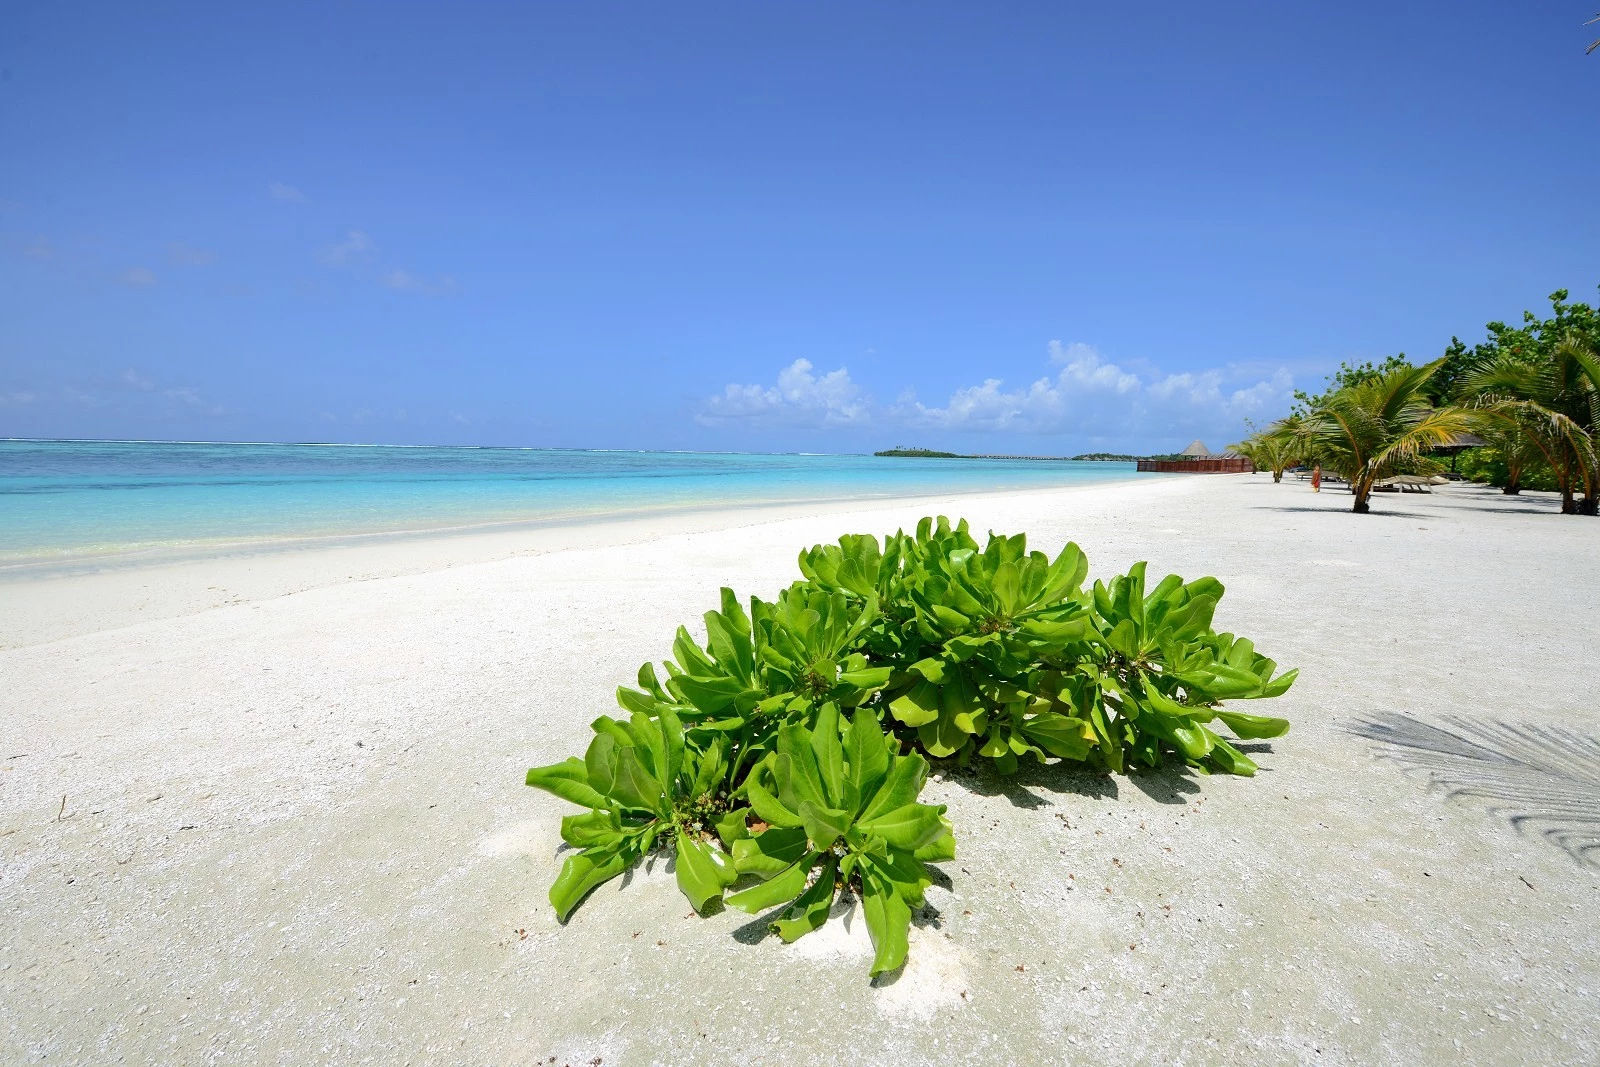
62,501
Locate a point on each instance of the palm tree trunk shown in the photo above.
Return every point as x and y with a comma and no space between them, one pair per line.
1277,476
1513,484
1361,486
1568,507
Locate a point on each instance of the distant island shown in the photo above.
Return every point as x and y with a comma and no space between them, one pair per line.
1091,457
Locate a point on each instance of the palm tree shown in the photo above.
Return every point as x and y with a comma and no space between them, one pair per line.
1516,444
1552,404
1379,427
1275,448
1575,368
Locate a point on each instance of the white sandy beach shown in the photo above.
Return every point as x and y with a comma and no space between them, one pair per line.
294,828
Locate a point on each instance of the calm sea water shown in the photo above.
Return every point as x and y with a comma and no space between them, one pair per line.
63,501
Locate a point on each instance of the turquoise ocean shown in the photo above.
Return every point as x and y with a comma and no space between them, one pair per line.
65,502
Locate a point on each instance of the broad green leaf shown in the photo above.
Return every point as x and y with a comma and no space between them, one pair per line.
582,872
1280,685
633,700
1167,706
795,768
704,871
941,848
671,731
811,909
1251,727
1008,587
1229,758
733,826
648,681
781,888
908,827
635,786
689,655
888,921
600,763
592,829
829,753
730,645
769,852
568,780
767,807
867,759
943,737
823,825
1193,740
917,707
1060,736
1056,631
901,786
866,680
713,695
709,769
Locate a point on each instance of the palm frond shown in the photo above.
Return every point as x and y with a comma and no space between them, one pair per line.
1584,357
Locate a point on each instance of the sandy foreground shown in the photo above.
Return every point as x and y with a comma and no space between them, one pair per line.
294,828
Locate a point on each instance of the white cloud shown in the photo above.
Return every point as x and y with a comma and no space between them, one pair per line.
1085,385
1083,366
17,398
1085,396
138,278
1092,397
800,398
356,247
40,249
287,193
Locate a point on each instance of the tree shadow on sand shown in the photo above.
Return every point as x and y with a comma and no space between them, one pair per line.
1543,780
1378,511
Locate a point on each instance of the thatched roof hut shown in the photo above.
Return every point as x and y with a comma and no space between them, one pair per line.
1197,450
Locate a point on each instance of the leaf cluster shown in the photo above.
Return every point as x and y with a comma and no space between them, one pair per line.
781,760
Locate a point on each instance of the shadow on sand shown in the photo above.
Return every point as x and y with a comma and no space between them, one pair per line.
1170,783
1543,780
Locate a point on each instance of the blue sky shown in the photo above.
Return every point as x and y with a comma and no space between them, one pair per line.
1040,228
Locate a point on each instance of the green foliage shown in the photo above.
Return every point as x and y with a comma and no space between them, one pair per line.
1531,391
643,787
841,809
788,750
1346,377
1535,392
1379,427
1276,448
1493,465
